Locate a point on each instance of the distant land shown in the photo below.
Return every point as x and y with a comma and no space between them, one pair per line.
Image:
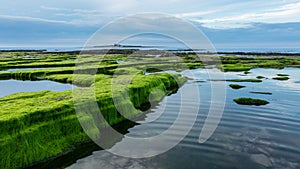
120,49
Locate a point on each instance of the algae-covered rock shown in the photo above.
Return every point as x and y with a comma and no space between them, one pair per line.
265,93
39,125
282,78
283,75
250,101
260,77
236,86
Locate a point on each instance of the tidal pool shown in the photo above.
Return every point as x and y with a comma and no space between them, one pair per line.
26,69
8,87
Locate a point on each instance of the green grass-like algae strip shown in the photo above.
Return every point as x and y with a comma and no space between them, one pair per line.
40,125
260,77
281,78
266,93
245,80
283,75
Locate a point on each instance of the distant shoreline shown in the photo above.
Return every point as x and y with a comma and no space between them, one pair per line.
129,51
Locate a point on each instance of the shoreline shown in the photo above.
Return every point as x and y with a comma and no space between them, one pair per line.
132,50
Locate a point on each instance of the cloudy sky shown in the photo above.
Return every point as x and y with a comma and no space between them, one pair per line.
227,23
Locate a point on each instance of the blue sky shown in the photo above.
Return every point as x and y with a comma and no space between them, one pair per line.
226,23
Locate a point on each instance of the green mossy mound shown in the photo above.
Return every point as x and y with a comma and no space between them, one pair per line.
265,93
239,80
282,78
250,101
260,77
231,63
236,86
245,80
283,75
39,125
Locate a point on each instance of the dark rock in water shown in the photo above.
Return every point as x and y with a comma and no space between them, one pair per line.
250,101
283,75
236,86
200,81
260,77
245,80
281,78
266,93
238,80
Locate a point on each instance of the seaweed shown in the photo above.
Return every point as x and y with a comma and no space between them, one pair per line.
265,93
282,78
236,86
250,101
260,77
283,75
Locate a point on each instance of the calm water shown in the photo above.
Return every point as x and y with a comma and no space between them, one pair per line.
247,136
14,86
167,47
23,69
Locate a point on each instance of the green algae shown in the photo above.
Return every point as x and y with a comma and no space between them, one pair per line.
246,63
282,78
251,101
245,80
283,75
260,77
236,86
265,93
39,125
44,124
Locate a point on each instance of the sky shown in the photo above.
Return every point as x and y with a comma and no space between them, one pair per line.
227,23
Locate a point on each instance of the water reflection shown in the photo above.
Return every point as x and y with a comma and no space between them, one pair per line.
247,137
15,86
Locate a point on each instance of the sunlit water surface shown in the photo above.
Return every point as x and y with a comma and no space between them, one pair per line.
247,137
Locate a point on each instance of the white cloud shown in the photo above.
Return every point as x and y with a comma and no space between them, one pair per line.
27,18
82,17
196,14
213,9
214,14
284,14
53,8
82,11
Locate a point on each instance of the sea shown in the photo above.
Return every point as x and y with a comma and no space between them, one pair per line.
294,50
